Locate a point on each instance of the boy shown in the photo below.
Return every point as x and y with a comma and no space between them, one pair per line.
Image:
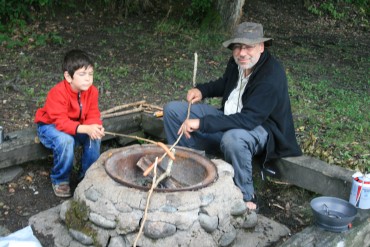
70,118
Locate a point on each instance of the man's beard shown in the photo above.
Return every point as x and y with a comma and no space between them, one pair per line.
249,65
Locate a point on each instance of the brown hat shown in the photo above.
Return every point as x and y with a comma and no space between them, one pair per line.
248,33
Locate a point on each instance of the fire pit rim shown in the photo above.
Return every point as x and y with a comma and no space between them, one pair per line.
211,168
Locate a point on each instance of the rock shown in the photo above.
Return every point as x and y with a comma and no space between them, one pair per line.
64,208
206,199
223,167
251,220
81,237
238,208
102,221
208,223
157,230
10,173
92,195
168,209
265,233
228,237
118,242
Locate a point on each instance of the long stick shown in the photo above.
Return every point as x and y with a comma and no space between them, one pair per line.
120,107
155,183
147,202
195,69
159,144
150,168
116,114
130,136
154,165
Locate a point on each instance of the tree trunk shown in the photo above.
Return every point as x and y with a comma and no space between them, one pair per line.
231,12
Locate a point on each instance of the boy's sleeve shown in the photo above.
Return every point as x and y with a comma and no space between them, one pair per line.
57,107
93,114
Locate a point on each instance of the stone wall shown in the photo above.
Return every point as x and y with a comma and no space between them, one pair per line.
210,215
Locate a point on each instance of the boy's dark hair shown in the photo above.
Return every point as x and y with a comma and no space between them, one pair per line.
76,59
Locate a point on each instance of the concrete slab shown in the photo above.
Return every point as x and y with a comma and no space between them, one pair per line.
358,235
10,173
316,175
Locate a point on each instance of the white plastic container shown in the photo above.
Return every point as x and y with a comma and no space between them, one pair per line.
360,192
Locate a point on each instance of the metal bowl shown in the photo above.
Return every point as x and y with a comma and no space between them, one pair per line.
333,214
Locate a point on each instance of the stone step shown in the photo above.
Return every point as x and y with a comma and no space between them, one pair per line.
358,235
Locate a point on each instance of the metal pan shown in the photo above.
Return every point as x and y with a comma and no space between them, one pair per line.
333,214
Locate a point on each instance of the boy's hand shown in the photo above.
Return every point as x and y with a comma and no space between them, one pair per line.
94,131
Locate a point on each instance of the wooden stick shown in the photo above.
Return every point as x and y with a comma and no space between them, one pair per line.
116,114
159,144
153,106
130,136
147,203
150,168
278,206
120,107
155,183
195,68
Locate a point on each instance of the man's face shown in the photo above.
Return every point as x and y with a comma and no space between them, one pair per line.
246,56
82,79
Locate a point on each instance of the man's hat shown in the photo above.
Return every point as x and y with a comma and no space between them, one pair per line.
248,33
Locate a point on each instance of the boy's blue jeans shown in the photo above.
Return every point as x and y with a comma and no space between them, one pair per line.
238,145
63,146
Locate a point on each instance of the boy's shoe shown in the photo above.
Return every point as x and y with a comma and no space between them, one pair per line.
62,189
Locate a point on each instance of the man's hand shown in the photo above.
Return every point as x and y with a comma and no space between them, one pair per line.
194,95
189,126
94,131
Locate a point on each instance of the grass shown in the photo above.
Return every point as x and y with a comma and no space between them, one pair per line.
330,101
332,120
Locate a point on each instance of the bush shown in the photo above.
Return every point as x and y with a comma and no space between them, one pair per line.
11,10
338,9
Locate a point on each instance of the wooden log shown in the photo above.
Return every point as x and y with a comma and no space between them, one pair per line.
153,126
170,183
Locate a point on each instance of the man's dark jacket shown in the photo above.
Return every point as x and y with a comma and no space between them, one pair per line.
265,102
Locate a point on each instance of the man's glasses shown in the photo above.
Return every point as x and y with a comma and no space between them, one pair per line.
239,47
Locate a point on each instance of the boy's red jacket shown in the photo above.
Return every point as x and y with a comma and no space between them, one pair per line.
67,109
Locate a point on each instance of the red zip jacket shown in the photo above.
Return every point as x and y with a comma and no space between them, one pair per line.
67,109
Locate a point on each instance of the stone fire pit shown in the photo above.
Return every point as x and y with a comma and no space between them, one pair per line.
108,205
191,171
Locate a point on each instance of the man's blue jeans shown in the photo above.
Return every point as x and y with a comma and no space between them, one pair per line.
63,146
238,145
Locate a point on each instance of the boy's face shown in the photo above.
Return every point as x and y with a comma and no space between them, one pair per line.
82,79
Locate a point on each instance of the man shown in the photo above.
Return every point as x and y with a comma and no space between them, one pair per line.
255,117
